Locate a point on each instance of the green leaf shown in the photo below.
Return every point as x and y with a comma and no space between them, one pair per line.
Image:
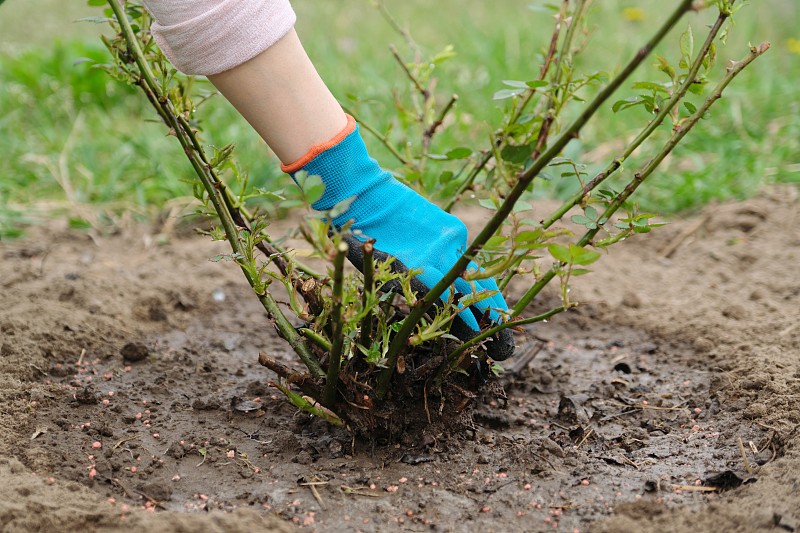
710,58
631,101
447,52
495,241
459,153
312,186
507,93
583,256
584,221
687,46
488,203
690,107
558,161
341,207
272,195
573,255
649,103
221,155
497,369
516,84
528,236
96,2
560,253
535,84
608,193
521,206
697,87
650,86
517,154
664,66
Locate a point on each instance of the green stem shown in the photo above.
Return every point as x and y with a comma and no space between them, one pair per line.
517,113
563,55
679,133
209,181
335,358
512,271
410,75
378,135
525,179
316,338
474,341
468,181
369,287
548,60
578,197
440,119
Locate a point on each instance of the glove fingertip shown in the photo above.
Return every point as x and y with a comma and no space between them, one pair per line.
502,346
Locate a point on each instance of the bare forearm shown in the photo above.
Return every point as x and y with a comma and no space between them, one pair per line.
250,51
281,95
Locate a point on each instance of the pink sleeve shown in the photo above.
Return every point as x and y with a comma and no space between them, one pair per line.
210,36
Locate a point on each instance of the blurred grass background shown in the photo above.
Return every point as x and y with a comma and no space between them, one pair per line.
75,143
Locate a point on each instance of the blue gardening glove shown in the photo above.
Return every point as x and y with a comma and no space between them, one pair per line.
404,225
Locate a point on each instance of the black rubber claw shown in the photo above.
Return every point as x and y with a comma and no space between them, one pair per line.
499,347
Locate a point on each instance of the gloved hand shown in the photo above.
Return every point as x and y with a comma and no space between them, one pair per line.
404,225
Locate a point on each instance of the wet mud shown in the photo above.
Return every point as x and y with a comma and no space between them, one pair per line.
669,399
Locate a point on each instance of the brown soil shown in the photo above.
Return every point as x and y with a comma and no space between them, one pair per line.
132,398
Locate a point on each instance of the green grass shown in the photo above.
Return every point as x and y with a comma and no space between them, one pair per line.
75,143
